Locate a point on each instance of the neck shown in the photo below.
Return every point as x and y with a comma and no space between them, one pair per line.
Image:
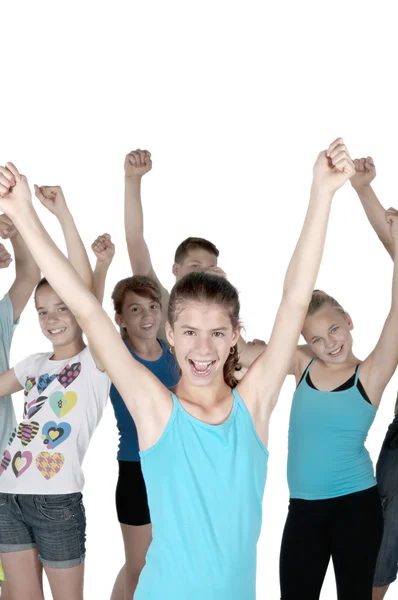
147,349
206,396
69,350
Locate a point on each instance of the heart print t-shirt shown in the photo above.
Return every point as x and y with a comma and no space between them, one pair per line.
63,404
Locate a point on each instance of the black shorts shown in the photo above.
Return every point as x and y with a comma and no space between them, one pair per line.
131,499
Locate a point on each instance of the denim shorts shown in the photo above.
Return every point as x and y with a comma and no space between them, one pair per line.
387,482
54,524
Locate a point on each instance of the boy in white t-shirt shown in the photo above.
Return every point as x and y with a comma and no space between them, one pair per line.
41,510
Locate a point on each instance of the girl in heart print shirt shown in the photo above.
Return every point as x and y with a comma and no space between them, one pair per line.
42,515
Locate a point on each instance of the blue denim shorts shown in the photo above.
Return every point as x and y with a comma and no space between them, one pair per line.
54,524
387,482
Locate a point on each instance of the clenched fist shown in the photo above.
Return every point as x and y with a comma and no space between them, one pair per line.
5,257
52,197
333,167
365,172
103,248
7,228
137,163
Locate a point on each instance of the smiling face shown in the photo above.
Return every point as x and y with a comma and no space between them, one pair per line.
140,316
328,333
202,336
56,321
196,260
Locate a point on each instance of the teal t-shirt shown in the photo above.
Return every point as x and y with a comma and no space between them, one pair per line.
7,326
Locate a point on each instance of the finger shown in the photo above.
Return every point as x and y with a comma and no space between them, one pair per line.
5,181
357,164
39,193
106,236
337,150
362,167
369,164
11,167
8,175
345,165
4,190
370,160
333,145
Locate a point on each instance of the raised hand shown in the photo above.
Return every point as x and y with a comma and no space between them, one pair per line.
217,271
104,248
15,194
333,167
7,228
137,163
5,257
365,172
52,197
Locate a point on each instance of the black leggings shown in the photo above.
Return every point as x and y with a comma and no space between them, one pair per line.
348,528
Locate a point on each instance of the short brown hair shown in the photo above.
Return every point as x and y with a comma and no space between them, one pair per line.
192,243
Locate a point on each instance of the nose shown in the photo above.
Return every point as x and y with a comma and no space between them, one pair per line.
204,345
52,317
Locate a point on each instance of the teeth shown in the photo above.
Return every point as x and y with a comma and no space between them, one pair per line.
202,364
336,351
57,330
147,326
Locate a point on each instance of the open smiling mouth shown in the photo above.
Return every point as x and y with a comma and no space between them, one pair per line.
336,352
56,331
200,368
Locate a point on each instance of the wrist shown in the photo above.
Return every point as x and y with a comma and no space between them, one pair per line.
102,265
133,180
322,190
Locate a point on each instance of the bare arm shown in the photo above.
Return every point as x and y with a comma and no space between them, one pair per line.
9,384
365,172
379,367
136,165
104,250
261,385
131,378
53,199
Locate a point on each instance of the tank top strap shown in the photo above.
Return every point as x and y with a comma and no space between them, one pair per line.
309,366
356,375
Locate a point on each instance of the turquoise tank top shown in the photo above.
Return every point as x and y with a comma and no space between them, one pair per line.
205,487
327,433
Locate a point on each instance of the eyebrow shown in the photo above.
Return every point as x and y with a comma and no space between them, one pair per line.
57,304
196,329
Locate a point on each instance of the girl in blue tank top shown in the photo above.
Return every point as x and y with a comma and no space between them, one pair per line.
335,509
137,302
203,446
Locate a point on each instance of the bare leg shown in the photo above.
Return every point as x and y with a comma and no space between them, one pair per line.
28,587
136,543
66,584
379,592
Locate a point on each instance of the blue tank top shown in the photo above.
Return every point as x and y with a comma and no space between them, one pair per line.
167,371
327,433
205,487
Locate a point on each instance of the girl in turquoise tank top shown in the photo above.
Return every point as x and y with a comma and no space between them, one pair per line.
335,509
203,447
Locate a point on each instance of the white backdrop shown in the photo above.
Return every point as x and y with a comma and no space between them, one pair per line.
234,100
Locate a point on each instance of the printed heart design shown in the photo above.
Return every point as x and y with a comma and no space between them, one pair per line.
44,381
29,383
69,374
27,431
54,435
12,436
5,462
62,403
33,407
49,464
21,462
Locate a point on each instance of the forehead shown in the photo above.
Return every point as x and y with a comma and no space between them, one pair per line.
201,256
203,316
134,298
45,295
321,321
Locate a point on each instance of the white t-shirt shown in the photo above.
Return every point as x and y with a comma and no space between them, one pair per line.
64,402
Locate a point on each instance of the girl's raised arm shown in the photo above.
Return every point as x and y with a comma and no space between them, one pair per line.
261,385
380,366
134,382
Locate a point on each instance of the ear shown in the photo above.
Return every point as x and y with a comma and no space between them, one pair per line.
349,322
169,333
236,335
176,269
119,320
